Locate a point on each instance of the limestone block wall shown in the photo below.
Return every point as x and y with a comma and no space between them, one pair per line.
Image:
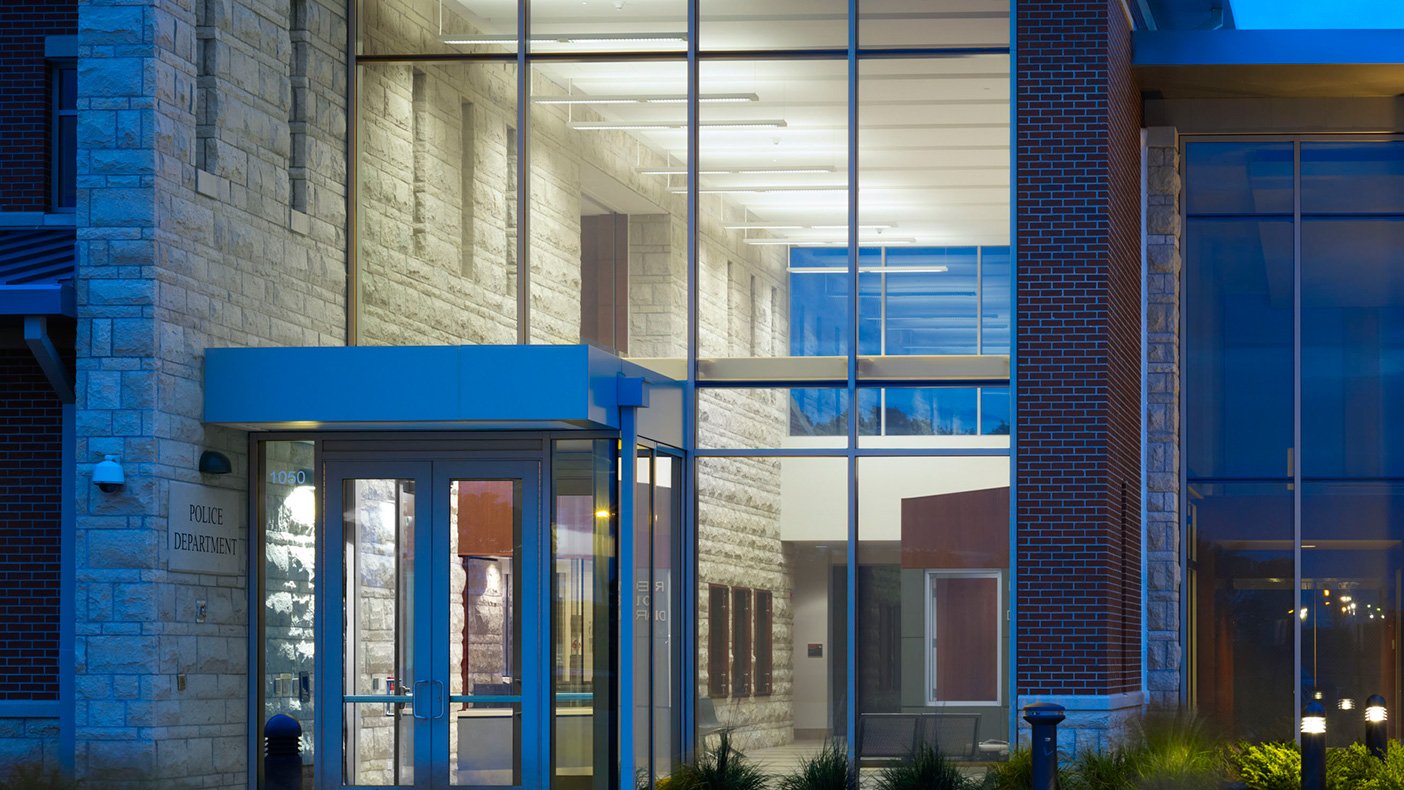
211,188
1163,417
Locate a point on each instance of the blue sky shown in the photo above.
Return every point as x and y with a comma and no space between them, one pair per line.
1317,14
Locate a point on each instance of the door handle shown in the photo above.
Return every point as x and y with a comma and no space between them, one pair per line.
443,701
414,700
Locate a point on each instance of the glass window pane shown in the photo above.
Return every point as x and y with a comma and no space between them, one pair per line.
609,206
911,411
1352,348
934,151
737,24
405,27
584,701
668,618
902,23
608,26
773,165
436,201
1238,347
933,563
289,595
995,418
931,309
772,542
996,300
378,642
1238,178
1351,567
1352,178
1239,539
67,155
68,89
739,418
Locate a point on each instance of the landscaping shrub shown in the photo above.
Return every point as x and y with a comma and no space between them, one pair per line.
926,769
722,768
33,777
827,770
1267,766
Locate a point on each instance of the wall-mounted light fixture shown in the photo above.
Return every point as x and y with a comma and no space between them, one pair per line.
213,462
108,475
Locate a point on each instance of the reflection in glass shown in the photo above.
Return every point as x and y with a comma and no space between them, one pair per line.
1353,178
436,209
1238,347
996,300
602,26
485,540
608,206
657,603
732,418
289,598
1239,538
1352,533
1238,178
378,642
933,559
405,27
1352,347
771,632
584,677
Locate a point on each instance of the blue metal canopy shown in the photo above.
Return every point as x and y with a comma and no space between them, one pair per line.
424,387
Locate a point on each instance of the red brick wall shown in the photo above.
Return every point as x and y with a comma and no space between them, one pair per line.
24,92
1078,293
31,421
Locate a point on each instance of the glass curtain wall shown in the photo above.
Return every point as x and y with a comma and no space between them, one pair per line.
746,204
1294,354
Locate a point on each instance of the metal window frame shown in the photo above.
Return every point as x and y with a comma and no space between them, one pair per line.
1294,478
853,54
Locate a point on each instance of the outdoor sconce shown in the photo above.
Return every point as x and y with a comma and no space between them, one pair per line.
1313,747
213,462
1375,717
108,475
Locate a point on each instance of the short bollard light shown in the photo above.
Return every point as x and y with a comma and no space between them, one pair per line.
1043,719
1313,747
282,761
1376,717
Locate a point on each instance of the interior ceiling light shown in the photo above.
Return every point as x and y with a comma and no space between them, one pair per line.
580,98
584,38
761,190
758,171
625,125
832,269
866,241
766,226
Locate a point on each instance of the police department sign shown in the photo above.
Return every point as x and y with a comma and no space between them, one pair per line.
204,530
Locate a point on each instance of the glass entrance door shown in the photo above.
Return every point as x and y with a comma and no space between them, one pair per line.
439,678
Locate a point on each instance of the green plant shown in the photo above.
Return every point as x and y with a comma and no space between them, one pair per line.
1267,766
722,768
1016,773
827,770
1177,752
1109,769
33,777
925,769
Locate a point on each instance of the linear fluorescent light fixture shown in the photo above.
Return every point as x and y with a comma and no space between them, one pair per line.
583,38
825,243
766,226
585,98
756,171
761,190
596,126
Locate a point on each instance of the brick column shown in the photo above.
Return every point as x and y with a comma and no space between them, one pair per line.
1078,293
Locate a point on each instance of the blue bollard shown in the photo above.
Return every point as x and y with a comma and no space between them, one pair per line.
1376,718
1043,718
282,758
1313,747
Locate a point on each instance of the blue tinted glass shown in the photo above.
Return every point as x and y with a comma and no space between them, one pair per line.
819,301
931,309
1352,178
1351,565
1239,537
1238,178
1352,348
819,412
996,298
927,412
869,310
1238,348
994,411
